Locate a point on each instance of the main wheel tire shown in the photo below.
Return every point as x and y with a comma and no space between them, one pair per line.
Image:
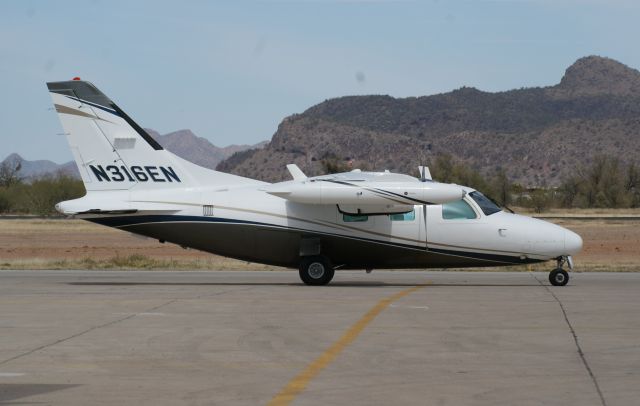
316,270
558,277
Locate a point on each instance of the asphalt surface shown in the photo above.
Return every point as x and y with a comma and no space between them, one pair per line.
251,338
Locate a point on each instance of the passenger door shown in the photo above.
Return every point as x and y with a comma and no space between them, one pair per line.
408,228
453,226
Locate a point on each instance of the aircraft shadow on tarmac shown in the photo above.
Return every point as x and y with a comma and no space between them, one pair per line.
10,392
333,284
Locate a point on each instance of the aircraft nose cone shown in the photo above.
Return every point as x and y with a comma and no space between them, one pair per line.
572,242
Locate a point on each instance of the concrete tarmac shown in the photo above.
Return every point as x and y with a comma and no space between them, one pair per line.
241,338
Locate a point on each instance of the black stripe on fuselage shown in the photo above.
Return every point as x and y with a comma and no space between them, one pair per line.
405,197
125,221
378,192
381,192
485,257
121,222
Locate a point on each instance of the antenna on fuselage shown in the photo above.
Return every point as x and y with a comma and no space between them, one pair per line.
425,173
296,173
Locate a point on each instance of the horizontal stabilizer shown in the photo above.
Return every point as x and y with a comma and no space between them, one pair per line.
98,211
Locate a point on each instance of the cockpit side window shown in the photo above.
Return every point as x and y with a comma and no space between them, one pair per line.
458,210
487,206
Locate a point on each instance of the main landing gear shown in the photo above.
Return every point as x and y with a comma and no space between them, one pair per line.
560,277
316,270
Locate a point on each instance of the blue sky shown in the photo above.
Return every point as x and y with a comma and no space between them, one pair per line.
232,70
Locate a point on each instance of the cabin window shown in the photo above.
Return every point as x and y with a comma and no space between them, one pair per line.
403,216
354,218
457,211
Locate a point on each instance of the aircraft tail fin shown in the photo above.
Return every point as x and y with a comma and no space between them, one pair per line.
114,153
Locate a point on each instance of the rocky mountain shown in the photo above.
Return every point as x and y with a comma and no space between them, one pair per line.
36,169
198,150
183,143
538,135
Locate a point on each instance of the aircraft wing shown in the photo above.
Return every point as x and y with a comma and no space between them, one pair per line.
377,192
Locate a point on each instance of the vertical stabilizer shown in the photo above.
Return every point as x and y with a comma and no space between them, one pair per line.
114,153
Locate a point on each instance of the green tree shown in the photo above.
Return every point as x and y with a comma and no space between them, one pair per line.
334,165
632,184
570,189
10,172
502,188
540,200
442,169
5,201
605,182
43,193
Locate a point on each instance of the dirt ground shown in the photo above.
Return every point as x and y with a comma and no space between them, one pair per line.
608,244
612,244
77,244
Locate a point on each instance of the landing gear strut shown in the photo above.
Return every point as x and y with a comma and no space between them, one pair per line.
560,277
316,270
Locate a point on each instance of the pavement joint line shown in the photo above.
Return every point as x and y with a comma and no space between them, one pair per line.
299,383
577,342
90,329
110,323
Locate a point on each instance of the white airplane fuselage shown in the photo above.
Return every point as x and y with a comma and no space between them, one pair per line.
351,220
249,224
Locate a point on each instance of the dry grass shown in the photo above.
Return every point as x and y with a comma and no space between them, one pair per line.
578,212
134,261
56,224
610,245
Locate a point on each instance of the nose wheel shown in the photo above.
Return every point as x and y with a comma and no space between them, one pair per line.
560,277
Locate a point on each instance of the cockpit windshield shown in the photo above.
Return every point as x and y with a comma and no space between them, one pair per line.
487,206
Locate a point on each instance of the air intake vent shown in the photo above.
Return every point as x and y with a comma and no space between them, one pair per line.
207,210
124,143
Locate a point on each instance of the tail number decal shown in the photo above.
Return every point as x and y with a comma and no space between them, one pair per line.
113,173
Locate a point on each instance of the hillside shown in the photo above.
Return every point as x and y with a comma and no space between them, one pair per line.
38,168
198,150
537,134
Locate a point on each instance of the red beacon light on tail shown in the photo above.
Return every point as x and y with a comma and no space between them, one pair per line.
76,78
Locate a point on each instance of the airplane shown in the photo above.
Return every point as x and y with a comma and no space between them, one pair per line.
351,220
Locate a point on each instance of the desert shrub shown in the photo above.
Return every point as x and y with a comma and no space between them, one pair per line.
604,183
5,200
333,164
540,200
41,195
448,170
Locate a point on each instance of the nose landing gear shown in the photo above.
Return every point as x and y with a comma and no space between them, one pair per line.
560,277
